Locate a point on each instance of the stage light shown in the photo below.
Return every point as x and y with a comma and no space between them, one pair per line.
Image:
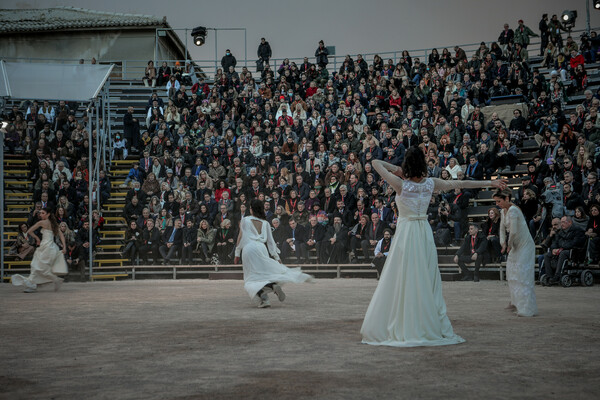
199,35
568,18
597,4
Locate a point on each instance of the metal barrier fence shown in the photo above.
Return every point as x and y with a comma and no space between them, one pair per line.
134,69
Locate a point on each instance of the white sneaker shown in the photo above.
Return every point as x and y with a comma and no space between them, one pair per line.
29,290
264,301
58,283
279,292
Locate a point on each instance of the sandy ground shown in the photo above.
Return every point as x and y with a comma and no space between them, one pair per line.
199,339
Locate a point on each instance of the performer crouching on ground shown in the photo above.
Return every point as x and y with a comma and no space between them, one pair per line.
263,274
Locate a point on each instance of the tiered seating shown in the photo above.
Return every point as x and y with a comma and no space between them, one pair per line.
108,262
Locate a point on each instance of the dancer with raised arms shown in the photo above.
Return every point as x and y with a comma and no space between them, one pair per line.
407,308
263,270
48,260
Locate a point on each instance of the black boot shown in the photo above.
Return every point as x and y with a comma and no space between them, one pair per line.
476,275
466,275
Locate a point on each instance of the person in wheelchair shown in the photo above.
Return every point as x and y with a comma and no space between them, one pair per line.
593,234
568,238
546,243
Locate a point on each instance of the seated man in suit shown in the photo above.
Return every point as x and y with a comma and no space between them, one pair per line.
385,214
315,237
172,239
295,242
473,249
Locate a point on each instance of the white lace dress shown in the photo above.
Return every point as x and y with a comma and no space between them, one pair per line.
259,268
520,262
48,261
407,308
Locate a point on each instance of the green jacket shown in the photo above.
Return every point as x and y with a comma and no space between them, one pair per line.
206,237
523,37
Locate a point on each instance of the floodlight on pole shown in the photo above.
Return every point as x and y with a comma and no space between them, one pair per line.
568,18
199,35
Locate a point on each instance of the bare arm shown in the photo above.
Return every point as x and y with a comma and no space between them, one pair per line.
440,184
239,239
62,240
33,228
389,173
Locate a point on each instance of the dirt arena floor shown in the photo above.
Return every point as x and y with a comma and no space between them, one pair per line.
200,339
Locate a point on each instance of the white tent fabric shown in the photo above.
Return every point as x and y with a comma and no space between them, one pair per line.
45,81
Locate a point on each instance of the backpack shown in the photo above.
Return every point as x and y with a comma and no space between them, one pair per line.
442,237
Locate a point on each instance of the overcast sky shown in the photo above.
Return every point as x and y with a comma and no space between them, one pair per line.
294,28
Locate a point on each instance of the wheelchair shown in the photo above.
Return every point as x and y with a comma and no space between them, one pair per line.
573,271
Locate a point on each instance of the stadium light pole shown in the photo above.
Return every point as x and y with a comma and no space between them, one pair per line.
90,186
3,202
587,15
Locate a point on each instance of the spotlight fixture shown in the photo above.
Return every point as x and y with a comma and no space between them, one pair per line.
597,4
199,35
568,18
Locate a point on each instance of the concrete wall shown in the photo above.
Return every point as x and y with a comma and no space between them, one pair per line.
133,47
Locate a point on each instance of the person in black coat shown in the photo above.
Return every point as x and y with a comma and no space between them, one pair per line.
491,230
373,235
150,242
264,51
74,259
459,207
172,239
315,237
132,241
487,160
228,60
133,210
474,170
335,244
225,242
568,238
131,129
295,242
473,249
82,239
321,54
190,237
344,212
328,202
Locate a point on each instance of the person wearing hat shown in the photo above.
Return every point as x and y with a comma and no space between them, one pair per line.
522,34
526,184
228,60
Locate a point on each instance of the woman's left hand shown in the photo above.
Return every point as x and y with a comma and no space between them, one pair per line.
500,183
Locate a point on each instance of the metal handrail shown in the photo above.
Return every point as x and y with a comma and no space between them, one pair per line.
134,69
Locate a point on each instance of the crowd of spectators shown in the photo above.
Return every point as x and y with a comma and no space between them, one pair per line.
302,137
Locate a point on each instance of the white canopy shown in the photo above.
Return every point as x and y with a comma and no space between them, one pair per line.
45,81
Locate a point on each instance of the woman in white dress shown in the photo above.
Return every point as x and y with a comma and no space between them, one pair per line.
520,261
48,260
407,308
263,270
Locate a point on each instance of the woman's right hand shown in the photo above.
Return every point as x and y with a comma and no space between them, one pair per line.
503,249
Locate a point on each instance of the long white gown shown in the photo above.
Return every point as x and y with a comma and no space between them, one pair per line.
48,262
259,268
520,263
407,308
